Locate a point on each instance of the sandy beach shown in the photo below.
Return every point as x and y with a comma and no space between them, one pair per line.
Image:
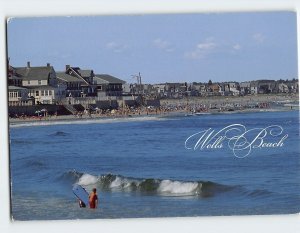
199,105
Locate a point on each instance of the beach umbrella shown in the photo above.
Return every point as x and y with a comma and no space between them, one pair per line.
44,111
38,112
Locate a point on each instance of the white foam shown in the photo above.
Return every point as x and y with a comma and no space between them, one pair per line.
85,121
177,187
116,183
87,179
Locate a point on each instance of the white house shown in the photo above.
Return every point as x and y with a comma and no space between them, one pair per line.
18,96
41,83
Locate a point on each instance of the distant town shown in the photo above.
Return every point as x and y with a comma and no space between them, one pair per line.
37,90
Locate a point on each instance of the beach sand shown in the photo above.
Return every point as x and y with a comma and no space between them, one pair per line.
191,105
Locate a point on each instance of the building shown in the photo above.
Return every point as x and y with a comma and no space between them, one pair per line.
107,85
245,88
41,83
282,88
234,88
73,84
85,80
214,89
254,87
18,96
266,86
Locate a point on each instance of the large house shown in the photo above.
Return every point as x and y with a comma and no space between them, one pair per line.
79,83
73,84
266,86
214,89
108,85
40,83
245,88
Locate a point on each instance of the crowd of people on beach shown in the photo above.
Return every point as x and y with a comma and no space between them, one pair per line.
166,107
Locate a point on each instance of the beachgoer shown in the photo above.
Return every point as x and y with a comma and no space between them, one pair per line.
93,199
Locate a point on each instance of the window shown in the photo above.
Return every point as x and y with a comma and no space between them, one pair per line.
36,93
40,82
28,82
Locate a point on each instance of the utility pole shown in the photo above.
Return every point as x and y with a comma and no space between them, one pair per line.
139,86
139,82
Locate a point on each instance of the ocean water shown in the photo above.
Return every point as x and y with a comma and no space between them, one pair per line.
141,167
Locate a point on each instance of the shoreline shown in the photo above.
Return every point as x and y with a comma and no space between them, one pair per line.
105,118
180,107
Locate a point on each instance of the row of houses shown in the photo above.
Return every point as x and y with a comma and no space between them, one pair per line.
179,90
43,85
34,85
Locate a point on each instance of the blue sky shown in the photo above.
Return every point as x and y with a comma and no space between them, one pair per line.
164,48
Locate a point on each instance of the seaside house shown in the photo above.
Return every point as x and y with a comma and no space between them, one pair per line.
245,88
160,90
291,85
18,96
266,86
13,78
85,81
73,84
149,91
282,88
176,90
202,89
254,87
225,89
194,88
234,88
107,85
214,89
41,83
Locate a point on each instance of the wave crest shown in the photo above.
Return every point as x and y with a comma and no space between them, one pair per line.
165,187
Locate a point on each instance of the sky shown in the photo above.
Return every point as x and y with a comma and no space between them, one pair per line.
163,48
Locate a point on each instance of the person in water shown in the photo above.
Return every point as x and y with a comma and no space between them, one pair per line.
93,199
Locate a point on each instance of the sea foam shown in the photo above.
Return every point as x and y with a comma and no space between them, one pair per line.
87,179
178,187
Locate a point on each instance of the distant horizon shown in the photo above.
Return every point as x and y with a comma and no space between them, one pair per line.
163,47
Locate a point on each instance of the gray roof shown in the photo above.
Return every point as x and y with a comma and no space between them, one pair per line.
85,73
34,73
67,78
107,79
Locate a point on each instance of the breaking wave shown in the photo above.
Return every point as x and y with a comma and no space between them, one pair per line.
73,121
165,187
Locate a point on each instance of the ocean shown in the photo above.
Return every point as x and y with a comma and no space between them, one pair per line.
156,166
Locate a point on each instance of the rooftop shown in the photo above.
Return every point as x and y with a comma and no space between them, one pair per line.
107,79
34,73
67,78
